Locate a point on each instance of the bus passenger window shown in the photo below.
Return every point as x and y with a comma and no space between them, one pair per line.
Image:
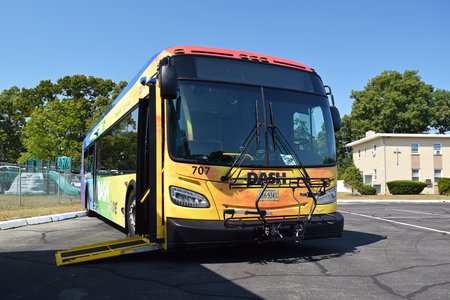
117,149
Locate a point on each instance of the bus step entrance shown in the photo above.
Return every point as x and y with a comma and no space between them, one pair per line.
105,250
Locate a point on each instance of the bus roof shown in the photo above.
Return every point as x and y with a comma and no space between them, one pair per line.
238,54
195,50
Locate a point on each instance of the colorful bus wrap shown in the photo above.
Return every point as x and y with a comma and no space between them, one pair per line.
210,146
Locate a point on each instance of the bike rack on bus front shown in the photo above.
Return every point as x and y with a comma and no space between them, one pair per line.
272,228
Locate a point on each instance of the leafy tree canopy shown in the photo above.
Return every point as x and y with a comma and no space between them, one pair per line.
440,111
63,112
343,153
12,119
392,103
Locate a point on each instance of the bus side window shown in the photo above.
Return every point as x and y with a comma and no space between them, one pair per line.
116,149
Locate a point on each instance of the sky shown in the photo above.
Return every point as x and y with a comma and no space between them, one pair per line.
347,42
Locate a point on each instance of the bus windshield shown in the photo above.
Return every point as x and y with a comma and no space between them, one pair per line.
209,122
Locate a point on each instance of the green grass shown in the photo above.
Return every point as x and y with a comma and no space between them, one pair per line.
33,206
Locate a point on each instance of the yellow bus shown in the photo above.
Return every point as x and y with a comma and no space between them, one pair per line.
209,146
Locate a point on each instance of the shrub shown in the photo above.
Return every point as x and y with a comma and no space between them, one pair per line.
352,178
444,186
367,190
405,187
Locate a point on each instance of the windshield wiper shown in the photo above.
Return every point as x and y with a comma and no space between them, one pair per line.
279,139
273,127
277,135
258,126
253,135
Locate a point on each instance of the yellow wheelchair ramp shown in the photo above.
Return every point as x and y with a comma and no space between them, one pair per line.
105,249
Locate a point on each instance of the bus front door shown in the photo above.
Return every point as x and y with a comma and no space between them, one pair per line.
146,187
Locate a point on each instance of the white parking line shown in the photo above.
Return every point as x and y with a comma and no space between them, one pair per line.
416,212
395,222
440,217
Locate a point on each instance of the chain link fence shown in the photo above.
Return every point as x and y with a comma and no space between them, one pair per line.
37,185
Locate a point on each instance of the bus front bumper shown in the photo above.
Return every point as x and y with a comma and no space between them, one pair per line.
183,232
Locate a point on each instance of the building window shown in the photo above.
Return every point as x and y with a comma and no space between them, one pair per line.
365,151
415,174
437,175
375,174
368,179
437,149
374,150
359,154
414,148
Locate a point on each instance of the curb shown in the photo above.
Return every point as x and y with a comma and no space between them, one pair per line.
40,220
365,201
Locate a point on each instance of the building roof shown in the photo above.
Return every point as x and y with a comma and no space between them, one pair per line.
370,136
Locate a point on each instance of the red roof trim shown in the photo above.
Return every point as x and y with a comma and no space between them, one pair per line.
211,53
237,54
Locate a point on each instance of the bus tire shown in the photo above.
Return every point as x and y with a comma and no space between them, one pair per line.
131,213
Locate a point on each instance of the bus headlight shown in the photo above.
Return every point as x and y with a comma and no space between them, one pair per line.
187,198
328,197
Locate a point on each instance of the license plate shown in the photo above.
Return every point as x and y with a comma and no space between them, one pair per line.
269,195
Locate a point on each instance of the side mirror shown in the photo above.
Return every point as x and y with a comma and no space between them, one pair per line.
168,81
336,116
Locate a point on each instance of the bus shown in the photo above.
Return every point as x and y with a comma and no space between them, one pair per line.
209,146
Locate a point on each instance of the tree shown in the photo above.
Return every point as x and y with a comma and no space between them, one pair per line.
64,112
12,120
440,109
55,129
343,153
392,103
101,103
352,178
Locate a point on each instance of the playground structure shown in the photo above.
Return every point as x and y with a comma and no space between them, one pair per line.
42,182
70,188
27,184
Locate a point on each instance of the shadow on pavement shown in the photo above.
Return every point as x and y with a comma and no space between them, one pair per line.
172,275
280,252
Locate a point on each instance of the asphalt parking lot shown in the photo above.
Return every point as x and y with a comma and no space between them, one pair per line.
388,251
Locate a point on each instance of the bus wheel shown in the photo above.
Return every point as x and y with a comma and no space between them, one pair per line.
131,213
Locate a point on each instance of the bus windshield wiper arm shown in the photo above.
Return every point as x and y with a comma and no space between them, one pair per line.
273,127
278,137
258,126
253,135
